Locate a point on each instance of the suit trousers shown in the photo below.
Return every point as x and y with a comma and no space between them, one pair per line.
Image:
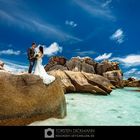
32,63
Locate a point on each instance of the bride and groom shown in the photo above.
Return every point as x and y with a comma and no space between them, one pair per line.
35,59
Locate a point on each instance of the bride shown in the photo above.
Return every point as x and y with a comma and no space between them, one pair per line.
39,69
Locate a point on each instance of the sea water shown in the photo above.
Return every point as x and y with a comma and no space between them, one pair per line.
121,107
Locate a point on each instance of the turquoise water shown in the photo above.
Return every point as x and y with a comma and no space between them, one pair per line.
121,107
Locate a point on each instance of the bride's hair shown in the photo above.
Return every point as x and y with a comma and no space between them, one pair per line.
41,49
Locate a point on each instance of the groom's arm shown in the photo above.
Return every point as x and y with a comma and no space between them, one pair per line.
29,54
35,54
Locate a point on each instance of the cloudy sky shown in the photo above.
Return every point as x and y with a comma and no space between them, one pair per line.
101,29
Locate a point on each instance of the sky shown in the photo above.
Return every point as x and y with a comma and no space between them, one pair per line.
101,29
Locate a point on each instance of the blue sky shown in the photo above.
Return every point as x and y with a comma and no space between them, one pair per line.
101,29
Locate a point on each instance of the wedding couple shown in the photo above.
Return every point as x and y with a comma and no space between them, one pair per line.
35,59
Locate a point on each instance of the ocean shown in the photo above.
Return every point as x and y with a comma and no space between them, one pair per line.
121,107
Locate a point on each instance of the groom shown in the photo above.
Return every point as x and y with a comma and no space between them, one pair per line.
31,57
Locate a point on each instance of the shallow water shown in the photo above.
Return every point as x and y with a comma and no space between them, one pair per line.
121,107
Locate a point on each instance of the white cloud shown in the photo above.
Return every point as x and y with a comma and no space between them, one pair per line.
118,36
95,8
9,52
71,23
106,3
134,72
53,32
14,67
138,73
53,49
103,57
130,60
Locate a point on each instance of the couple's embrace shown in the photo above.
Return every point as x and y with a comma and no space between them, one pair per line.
35,59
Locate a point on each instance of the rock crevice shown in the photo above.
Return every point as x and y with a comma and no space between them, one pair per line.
83,82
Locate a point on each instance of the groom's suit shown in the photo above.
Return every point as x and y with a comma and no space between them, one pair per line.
31,58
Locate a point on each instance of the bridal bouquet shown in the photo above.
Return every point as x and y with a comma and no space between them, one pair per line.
36,55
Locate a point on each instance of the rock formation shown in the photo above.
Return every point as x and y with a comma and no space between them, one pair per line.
83,82
1,65
76,64
115,77
131,82
65,81
109,70
105,66
54,61
25,98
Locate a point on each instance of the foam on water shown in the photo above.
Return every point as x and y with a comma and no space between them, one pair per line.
121,107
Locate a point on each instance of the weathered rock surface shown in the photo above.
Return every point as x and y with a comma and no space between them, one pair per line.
115,77
76,64
131,82
109,70
56,60
66,82
1,65
83,82
58,67
106,66
24,99
87,68
99,81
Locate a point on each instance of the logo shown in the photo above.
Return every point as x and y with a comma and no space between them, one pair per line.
49,133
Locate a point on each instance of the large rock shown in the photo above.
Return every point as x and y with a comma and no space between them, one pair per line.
82,85
83,82
74,64
55,60
66,82
49,66
106,66
89,61
99,81
58,60
58,67
84,64
87,68
25,98
131,82
1,65
115,77
109,70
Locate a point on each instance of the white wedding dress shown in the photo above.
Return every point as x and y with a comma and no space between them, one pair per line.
40,71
